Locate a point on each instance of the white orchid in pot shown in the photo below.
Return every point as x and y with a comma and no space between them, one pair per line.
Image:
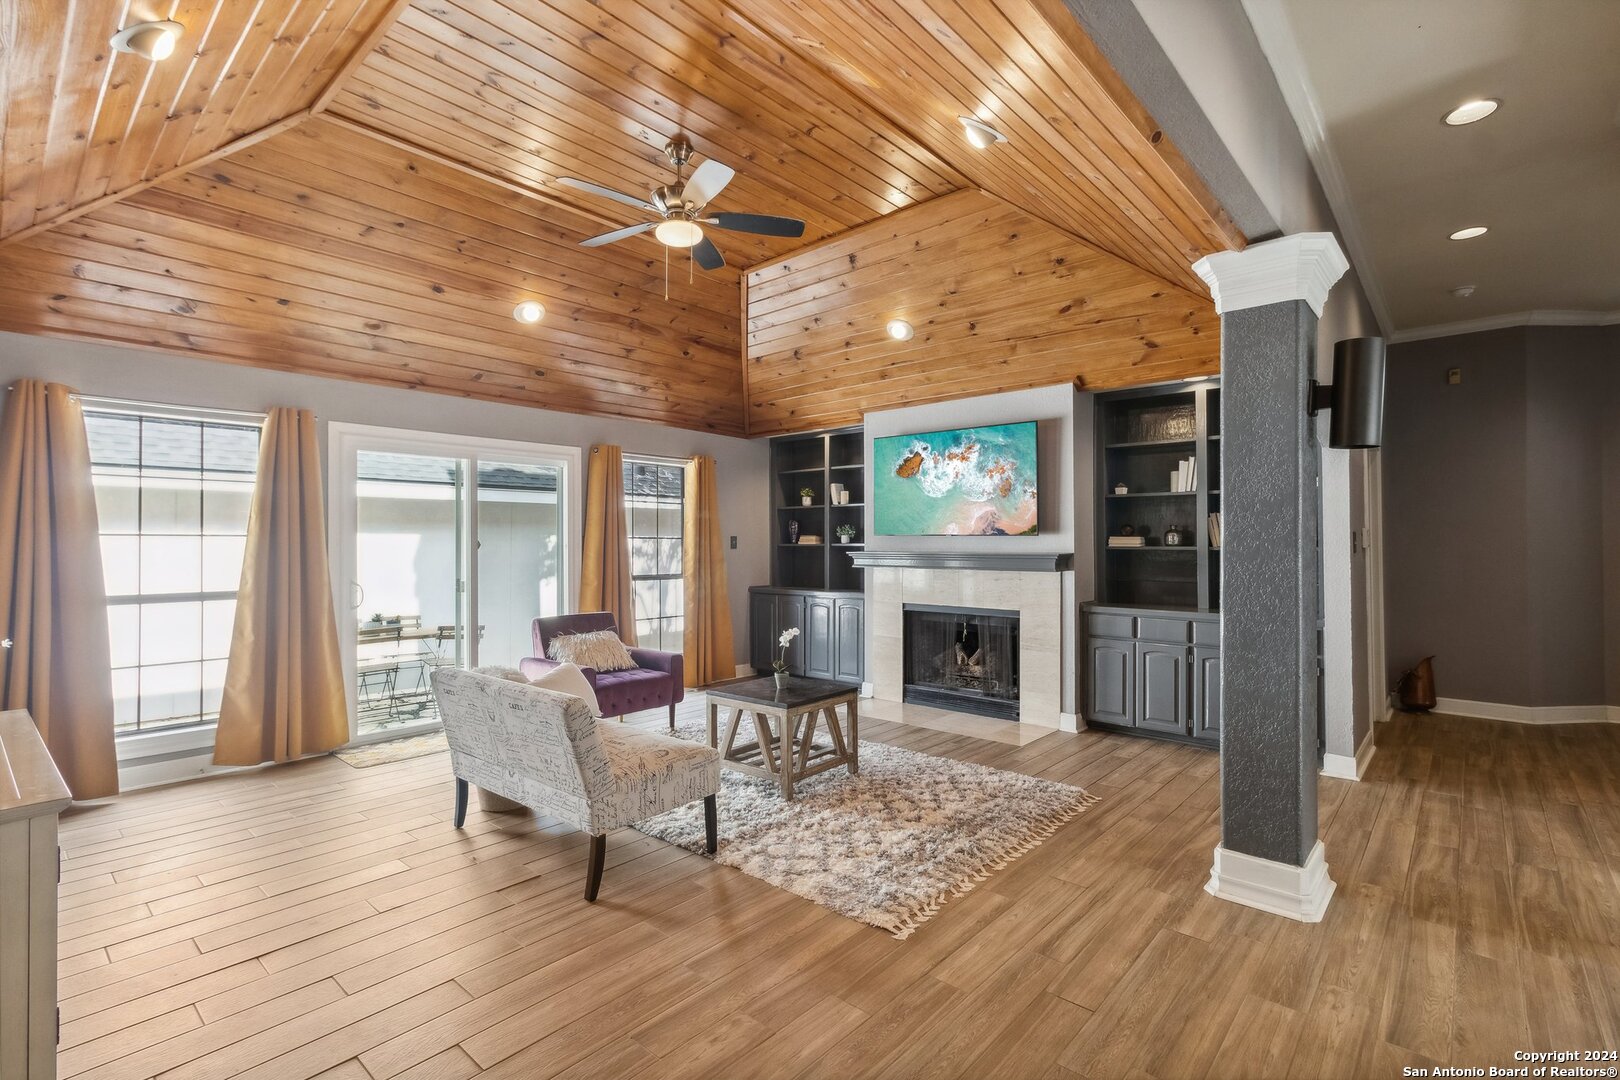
780,664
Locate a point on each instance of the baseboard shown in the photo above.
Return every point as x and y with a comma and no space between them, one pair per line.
1300,893
1346,767
1530,714
745,671
160,772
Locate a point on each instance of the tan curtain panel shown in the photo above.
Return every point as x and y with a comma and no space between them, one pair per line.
53,598
707,644
284,695
604,573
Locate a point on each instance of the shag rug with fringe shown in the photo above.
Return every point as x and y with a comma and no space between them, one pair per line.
888,847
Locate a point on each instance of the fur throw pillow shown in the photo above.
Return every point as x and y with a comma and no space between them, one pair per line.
599,649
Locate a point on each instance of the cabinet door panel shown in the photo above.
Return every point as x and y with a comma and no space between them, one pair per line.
1161,687
818,637
1206,703
761,629
850,665
1110,689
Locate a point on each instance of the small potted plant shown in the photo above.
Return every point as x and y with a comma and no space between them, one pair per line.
846,533
806,495
780,664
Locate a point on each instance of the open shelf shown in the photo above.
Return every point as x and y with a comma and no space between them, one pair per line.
819,462
1143,435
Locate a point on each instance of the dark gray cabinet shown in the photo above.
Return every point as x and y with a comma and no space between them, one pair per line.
820,636
1111,689
849,663
1153,671
831,642
1161,687
1206,693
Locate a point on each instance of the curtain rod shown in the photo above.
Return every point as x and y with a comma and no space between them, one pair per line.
161,406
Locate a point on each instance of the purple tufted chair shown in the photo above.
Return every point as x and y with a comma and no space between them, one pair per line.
657,679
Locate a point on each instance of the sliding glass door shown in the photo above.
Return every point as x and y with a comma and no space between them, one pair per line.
444,551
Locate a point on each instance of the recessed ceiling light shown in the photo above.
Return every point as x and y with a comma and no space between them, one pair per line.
152,40
979,133
1462,292
1470,111
1470,232
900,330
529,311
678,233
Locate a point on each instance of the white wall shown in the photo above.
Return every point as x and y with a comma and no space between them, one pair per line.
1214,49
141,375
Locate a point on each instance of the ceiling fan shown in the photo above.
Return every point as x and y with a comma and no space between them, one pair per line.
682,209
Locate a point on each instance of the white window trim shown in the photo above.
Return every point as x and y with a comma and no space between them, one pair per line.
344,441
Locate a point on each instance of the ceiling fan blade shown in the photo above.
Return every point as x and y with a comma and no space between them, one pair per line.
618,234
606,193
707,255
708,180
763,224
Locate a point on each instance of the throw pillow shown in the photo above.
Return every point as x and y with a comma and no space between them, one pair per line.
599,649
567,679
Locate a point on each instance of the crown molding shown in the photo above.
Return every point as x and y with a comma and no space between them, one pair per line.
1503,322
1302,266
1269,19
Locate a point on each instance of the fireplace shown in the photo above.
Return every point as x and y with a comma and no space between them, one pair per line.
962,658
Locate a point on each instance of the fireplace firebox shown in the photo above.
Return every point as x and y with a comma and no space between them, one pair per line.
962,658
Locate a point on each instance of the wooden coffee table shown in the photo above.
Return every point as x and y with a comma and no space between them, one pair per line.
788,752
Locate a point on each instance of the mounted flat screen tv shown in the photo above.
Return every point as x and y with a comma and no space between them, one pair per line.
977,481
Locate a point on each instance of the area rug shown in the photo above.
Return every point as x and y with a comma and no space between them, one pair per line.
386,753
887,847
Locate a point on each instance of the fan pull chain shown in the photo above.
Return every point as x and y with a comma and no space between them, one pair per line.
666,273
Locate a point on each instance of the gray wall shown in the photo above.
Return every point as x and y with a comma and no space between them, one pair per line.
1501,496
118,371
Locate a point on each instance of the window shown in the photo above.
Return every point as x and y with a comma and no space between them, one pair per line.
172,495
654,498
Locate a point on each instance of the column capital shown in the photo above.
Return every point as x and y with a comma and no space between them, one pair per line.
1302,266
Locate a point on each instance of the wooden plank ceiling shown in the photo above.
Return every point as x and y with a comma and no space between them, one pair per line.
997,300
83,122
328,252
364,188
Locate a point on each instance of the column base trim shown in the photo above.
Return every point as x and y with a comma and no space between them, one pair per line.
1300,893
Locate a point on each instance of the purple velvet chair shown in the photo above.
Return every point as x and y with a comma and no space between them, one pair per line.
657,679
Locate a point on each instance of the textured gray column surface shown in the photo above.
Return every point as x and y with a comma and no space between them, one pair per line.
1269,595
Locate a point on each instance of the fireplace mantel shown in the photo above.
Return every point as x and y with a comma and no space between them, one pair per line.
935,560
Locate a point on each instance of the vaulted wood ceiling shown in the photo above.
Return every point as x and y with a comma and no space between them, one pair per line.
364,188
997,300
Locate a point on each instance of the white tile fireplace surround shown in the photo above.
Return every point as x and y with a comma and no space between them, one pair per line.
1036,595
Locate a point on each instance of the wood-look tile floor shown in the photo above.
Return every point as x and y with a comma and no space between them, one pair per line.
320,920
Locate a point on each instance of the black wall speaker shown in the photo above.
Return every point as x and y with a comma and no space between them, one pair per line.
1356,397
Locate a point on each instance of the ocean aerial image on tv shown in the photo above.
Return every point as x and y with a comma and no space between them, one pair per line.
977,481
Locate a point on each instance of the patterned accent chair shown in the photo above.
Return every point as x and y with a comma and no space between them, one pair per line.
659,678
534,747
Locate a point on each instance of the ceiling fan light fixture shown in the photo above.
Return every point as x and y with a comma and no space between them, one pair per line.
529,311
1472,111
979,133
151,40
899,330
678,233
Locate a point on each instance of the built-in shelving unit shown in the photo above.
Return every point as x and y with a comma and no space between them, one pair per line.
1142,435
817,462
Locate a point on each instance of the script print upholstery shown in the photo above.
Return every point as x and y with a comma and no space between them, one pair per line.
545,750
